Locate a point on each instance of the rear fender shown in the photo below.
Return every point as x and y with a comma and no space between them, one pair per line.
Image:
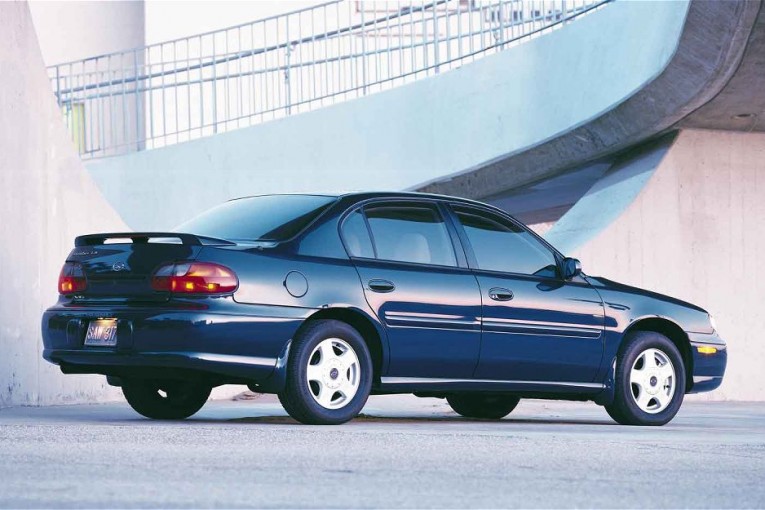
350,315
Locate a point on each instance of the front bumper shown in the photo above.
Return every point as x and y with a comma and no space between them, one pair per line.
710,357
223,345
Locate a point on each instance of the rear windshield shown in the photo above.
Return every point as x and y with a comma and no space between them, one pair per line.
264,218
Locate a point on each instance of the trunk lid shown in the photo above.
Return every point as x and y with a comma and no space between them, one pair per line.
119,267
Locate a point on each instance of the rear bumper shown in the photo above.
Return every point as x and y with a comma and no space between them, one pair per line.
219,345
163,364
708,367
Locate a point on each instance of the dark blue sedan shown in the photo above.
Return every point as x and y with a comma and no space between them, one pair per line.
326,299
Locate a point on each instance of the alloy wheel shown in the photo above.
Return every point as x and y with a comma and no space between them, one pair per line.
652,381
333,373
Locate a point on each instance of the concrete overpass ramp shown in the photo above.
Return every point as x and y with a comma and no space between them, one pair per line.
453,123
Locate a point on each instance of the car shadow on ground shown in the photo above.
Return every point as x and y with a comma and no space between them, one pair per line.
365,418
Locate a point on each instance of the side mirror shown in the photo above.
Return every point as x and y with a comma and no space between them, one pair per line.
571,268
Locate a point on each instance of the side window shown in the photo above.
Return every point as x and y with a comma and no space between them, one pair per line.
410,233
500,245
356,236
322,241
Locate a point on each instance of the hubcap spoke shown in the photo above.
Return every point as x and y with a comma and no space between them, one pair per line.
347,393
325,396
348,358
663,398
348,387
327,352
665,372
314,372
643,399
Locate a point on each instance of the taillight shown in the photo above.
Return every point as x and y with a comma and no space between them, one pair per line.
72,279
194,278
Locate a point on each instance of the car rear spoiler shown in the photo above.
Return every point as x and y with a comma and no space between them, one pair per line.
143,238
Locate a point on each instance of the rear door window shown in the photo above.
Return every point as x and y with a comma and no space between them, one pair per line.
410,233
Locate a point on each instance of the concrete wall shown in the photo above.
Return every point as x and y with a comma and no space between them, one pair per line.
73,30
46,199
401,138
686,218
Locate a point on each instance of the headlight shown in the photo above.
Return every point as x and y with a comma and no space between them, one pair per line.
712,322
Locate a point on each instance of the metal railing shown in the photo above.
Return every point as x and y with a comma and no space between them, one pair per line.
295,62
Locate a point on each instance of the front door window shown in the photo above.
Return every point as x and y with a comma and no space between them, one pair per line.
499,245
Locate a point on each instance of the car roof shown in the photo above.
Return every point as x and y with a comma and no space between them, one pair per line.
358,196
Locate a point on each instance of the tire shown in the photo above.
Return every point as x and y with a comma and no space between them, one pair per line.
181,399
649,380
329,374
490,407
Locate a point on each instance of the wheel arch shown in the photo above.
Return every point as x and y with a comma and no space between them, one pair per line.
674,333
369,330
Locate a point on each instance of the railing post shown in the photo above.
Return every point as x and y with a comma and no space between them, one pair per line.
137,88
201,89
288,93
288,49
502,36
424,38
363,52
435,37
58,85
214,88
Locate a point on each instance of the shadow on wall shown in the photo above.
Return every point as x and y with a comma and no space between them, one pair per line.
609,196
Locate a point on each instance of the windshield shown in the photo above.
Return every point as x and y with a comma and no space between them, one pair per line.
263,218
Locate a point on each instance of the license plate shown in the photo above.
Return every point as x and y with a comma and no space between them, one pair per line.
102,333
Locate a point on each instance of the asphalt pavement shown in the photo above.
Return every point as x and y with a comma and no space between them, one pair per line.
403,452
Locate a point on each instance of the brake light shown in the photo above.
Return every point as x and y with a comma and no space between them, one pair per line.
194,278
72,279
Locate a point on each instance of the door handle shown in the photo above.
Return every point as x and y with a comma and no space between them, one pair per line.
378,285
500,294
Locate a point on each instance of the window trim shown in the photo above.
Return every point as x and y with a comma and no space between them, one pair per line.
436,205
372,241
468,247
341,231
